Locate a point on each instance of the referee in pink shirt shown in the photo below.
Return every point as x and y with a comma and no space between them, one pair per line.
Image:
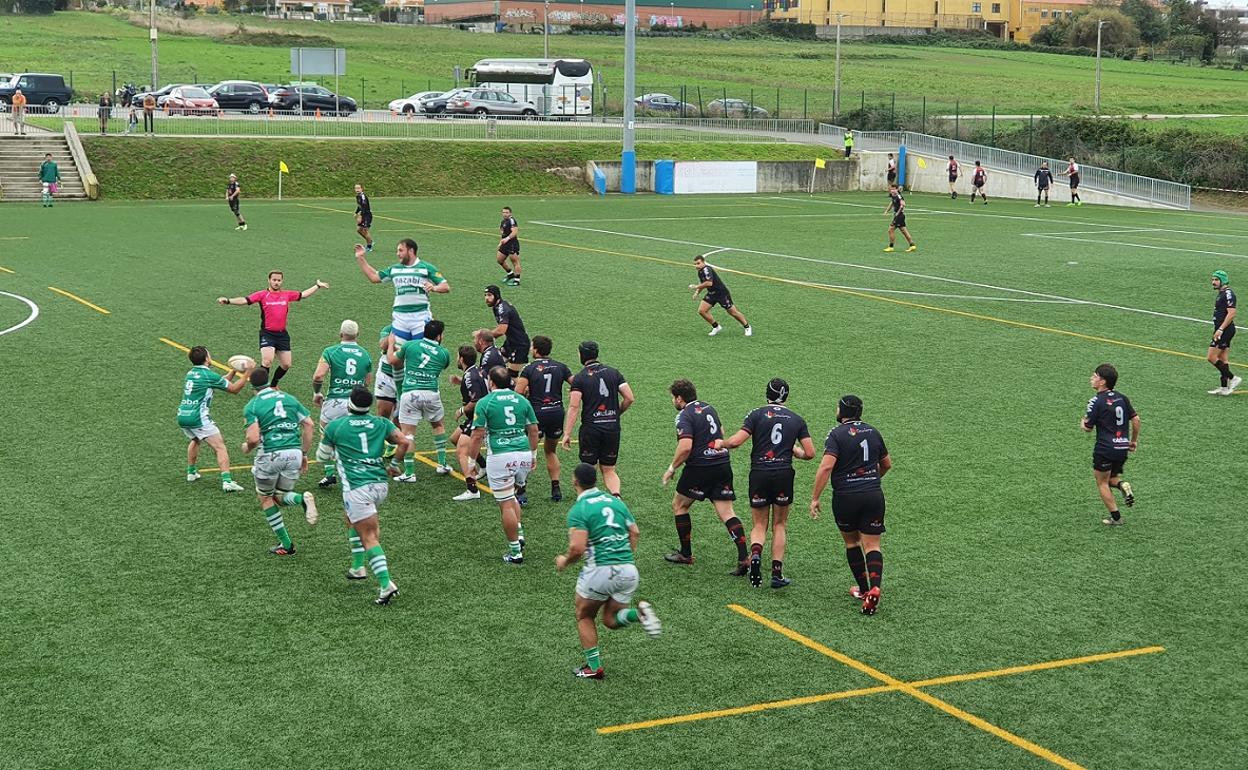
274,306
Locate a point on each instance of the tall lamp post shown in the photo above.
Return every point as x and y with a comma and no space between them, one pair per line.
545,30
151,32
628,157
836,94
1097,104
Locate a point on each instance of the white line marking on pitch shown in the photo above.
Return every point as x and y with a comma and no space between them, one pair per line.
34,312
1137,245
732,216
1040,295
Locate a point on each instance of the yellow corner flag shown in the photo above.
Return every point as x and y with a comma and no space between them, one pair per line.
282,167
922,163
820,163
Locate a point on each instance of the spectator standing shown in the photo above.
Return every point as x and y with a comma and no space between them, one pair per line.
19,113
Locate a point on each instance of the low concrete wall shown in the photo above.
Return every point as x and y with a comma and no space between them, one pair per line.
795,176
872,171
611,168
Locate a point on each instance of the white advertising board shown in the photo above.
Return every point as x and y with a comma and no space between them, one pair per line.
716,177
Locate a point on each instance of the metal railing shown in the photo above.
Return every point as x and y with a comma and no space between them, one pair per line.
1106,180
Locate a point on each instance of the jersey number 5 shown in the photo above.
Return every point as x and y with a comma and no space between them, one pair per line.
509,413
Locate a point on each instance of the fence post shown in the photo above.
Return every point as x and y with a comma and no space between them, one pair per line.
805,102
402,88
993,132
71,81
700,106
862,110
777,103
361,105
924,129
1031,129
114,83
957,121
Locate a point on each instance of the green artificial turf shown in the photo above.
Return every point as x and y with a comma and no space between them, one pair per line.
145,625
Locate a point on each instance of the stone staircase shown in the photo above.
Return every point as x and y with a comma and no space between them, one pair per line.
20,157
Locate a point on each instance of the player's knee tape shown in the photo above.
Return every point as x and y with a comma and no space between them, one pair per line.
324,453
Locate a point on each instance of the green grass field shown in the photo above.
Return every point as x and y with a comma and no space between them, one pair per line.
393,62
145,625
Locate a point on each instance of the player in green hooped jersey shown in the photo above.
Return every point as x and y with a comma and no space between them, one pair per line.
603,530
511,425
347,365
413,279
422,362
358,440
282,429
386,388
195,421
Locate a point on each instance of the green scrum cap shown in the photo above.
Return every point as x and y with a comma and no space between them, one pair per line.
1221,276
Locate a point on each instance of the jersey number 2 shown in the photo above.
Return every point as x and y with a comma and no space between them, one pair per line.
609,515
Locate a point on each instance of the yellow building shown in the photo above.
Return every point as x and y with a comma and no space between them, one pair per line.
1006,19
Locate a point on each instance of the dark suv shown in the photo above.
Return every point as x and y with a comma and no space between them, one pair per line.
240,95
39,89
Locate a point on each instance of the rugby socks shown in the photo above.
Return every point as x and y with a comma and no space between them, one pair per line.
409,466
191,470
591,658
684,531
377,563
756,549
278,374
626,615
513,547
858,566
226,476
291,498
737,533
1115,515
357,548
274,517
519,531
1224,369
875,568
439,443
777,568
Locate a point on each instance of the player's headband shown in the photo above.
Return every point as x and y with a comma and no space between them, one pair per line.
777,391
850,406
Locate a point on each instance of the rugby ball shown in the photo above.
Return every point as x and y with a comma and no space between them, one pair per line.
242,363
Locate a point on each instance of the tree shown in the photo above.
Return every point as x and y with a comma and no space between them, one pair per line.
1182,17
1055,33
1148,19
1186,46
1119,29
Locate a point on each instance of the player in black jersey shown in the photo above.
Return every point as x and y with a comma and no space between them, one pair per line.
604,395
1110,413
363,216
897,207
472,388
707,473
779,434
716,294
979,178
1224,312
232,193
516,342
855,459
1044,180
542,381
491,356
509,247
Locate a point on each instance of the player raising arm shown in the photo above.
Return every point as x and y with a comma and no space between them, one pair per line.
603,530
414,280
274,307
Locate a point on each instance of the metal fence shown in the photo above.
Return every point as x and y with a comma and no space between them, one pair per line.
378,124
1144,188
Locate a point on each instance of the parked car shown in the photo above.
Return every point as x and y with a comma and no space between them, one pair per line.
240,95
412,103
735,108
189,100
436,105
666,104
287,98
39,88
488,101
158,94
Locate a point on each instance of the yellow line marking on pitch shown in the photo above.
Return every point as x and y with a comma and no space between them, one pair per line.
858,693
185,349
14,238
911,690
80,300
809,285
6,270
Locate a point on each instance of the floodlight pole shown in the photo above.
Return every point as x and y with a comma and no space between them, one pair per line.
151,33
545,30
1096,109
628,158
836,94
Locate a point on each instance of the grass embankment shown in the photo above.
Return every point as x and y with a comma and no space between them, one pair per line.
139,168
386,62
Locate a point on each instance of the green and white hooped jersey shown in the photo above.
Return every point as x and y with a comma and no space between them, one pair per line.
359,440
385,367
409,285
197,396
423,363
279,415
349,365
505,415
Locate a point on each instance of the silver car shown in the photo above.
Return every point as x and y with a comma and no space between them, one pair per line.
735,108
486,101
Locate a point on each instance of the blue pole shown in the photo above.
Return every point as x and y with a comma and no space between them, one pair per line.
901,166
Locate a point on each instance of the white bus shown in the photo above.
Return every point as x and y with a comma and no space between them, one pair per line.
558,87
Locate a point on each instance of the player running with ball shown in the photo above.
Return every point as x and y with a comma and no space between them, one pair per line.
197,424
603,530
358,440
